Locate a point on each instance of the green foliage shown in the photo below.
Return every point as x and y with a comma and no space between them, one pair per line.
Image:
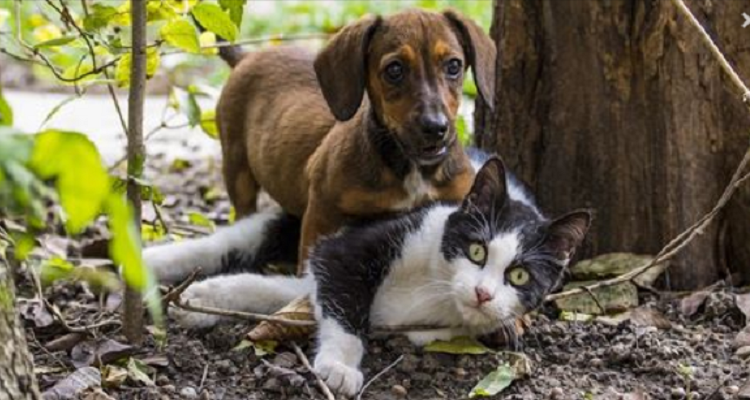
495,382
215,20
235,8
122,73
459,345
6,113
181,34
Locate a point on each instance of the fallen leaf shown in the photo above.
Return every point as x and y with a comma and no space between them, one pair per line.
616,298
156,361
101,352
113,376
459,345
65,342
743,303
644,316
96,394
138,372
494,383
34,310
615,264
68,388
298,309
690,304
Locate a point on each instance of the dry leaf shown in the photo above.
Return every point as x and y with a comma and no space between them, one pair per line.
73,384
689,305
101,352
65,342
34,310
299,309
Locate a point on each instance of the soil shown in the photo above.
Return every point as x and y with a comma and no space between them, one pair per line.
694,357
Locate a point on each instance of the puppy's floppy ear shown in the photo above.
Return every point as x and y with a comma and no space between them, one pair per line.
480,53
341,67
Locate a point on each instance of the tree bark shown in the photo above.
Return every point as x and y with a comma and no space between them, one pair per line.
133,310
17,380
619,106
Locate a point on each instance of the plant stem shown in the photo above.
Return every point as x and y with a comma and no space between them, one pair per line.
133,313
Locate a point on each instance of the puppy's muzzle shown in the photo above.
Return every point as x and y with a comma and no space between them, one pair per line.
435,129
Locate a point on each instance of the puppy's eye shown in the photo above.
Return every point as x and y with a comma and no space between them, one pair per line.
518,276
453,68
394,72
477,253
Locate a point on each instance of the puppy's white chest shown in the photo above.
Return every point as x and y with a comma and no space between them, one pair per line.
418,191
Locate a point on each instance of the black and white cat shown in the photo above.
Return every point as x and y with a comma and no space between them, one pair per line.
474,267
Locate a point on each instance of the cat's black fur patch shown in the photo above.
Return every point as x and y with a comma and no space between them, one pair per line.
279,245
349,267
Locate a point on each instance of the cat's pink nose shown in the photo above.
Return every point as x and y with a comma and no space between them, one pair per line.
483,295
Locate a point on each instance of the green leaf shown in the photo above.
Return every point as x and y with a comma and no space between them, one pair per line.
79,72
181,34
200,220
208,123
149,192
469,87
138,371
63,40
68,157
495,382
152,232
192,110
235,8
55,269
25,243
459,345
122,73
99,16
215,20
6,112
462,131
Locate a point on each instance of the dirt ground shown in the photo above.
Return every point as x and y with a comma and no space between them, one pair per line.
683,358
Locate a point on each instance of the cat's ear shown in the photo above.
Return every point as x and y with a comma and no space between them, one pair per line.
566,233
489,189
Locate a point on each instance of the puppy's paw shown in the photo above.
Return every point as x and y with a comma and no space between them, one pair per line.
199,294
339,377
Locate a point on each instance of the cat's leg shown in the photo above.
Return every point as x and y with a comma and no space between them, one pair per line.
422,338
241,292
175,261
338,357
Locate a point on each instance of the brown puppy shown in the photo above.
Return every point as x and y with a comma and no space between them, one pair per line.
301,127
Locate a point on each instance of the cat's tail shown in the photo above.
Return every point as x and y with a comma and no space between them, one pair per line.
270,237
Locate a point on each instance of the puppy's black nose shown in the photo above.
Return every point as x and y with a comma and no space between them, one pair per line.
434,126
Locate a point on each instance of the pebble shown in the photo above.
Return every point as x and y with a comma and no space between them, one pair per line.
678,393
732,390
189,392
556,393
169,388
596,362
285,360
743,352
224,366
399,390
460,372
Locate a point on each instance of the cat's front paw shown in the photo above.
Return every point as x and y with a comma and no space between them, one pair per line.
339,377
199,294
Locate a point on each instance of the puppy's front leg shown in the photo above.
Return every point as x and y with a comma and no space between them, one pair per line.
338,357
316,222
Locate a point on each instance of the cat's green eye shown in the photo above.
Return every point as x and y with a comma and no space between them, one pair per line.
518,276
477,253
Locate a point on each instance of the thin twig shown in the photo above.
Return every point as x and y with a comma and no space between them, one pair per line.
321,383
378,375
241,314
174,294
596,300
257,41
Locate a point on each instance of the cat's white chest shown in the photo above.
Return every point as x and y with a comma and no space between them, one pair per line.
418,191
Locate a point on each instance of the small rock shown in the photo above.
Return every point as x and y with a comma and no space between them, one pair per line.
556,393
596,362
169,388
272,385
399,390
553,382
162,380
224,366
460,372
695,395
743,352
206,395
189,392
678,393
285,360
732,390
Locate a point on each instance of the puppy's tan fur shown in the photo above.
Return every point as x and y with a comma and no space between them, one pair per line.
302,128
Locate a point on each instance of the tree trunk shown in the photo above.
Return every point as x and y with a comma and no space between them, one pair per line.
133,312
17,380
619,106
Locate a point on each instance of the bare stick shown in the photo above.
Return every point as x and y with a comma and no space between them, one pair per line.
241,314
378,375
133,310
174,294
321,383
